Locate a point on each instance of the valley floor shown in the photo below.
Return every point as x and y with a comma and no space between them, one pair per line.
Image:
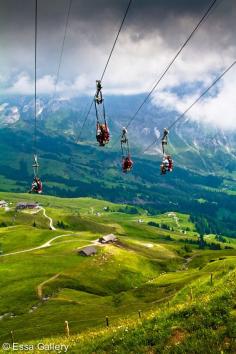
152,291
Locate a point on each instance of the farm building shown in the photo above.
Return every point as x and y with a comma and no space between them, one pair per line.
87,251
108,239
140,221
3,204
25,205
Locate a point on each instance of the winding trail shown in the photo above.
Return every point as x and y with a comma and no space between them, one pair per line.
48,243
51,226
41,285
39,288
45,245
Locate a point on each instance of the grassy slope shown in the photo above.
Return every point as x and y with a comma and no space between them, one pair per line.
199,319
201,323
118,281
80,170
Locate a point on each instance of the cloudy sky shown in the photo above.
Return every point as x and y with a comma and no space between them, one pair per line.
153,32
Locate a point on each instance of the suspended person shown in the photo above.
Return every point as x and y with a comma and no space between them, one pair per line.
102,134
37,186
127,163
164,165
167,162
102,130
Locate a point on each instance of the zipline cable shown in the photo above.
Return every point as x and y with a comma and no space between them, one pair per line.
171,63
196,101
117,36
106,65
63,45
85,120
35,76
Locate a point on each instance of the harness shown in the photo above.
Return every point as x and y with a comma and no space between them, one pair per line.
35,165
102,131
127,164
167,162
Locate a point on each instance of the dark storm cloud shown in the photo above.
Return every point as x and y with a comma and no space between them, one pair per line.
153,32
92,28
144,14
90,9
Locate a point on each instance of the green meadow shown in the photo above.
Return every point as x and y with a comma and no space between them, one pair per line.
151,278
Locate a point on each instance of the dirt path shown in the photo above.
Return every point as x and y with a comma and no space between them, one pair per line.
40,286
51,226
45,245
48,243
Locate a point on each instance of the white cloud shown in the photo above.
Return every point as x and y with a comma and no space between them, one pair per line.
139,59
3,106
218,109
23,85
45,84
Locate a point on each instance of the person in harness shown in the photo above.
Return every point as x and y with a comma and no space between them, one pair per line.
37,186
102,130
167,162
164,165
127,164
102,134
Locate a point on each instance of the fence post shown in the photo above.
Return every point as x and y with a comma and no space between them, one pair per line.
12,337
191,294
67,329
107,321
211,278
139,313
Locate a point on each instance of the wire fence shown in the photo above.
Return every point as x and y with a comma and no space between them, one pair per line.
75,327
71,327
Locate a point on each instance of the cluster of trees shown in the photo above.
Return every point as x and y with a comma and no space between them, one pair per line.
125,209
220,238
3,224
62,225
202,244
205,224
201,224
161,226
128,210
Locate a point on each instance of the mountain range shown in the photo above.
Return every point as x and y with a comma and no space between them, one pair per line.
194,145
202,184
